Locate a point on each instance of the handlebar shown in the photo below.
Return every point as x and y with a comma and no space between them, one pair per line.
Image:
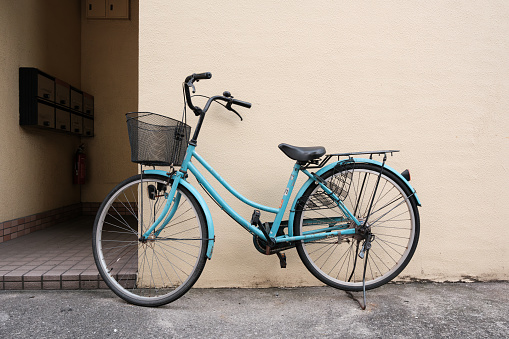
199,76
197,110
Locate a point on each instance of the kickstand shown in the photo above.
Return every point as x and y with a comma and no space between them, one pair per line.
364,281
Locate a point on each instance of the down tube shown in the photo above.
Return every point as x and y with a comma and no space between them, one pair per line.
224,206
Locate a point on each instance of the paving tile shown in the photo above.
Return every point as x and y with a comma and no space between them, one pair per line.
32,285
33,276
89,284
49,276
72,275
71,285
2,273
51,285
88,275
18,285
13,277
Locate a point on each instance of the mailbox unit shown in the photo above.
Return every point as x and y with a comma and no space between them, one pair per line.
52,104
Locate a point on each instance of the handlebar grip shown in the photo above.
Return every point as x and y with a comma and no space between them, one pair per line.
200,76
241,103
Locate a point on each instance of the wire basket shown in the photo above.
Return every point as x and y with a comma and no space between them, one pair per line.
157,140
339,184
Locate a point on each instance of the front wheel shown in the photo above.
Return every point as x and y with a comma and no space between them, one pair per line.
393,221
157,270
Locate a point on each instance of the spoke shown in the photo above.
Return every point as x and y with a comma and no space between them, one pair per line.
330,247
398,197
383,248
180,222
383,215
127,261
123,246
130,208
129,232
141,267
391,236
173,254
161,265
181,214
120,215
165,251
187,230
124,223
394,227
366,210
173,267
117,232
371,251
380,196
389,245
374,262
182,251
319,247
392,219
337,262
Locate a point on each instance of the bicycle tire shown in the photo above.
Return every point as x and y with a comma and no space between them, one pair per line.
162,269
394,220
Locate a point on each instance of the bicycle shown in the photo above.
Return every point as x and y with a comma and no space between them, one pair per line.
354,223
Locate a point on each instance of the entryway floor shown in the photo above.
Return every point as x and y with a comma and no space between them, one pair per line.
59,257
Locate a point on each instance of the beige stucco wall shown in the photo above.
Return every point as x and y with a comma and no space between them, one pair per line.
36,166
109,68
429,78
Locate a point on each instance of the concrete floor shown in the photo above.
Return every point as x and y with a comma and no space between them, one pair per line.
414,310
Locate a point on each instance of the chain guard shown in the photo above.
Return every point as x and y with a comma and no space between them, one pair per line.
261,246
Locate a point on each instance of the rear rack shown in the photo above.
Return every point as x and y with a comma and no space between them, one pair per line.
319,163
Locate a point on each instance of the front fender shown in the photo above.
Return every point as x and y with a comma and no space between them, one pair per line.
203,204
330,166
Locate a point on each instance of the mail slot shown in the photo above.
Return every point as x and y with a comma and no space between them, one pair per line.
45,115
62,120
88,104
62,93
76,99
45,87
76,124
88,127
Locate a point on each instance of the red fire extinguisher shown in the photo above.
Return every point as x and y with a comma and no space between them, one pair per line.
79,166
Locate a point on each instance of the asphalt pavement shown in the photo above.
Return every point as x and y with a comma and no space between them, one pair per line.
411,310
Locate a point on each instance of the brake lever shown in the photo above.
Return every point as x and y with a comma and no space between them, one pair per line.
190,84
229,107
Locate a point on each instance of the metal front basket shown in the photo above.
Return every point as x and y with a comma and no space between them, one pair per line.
157,140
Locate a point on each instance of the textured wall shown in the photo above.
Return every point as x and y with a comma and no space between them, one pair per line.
36,166
427,78
109,71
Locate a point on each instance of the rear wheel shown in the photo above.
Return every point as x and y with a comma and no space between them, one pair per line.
394,222
158,270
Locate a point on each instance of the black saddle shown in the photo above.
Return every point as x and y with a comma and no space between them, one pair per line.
302,154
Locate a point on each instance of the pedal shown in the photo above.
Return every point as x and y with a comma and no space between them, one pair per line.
255,218
282,259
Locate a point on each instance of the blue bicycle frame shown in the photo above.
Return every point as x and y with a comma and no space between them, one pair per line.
339,226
